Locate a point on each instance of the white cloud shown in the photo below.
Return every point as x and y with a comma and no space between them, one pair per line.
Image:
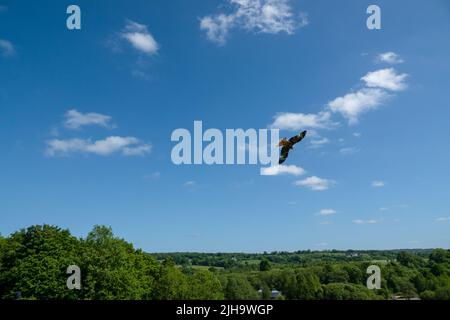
301,121
385,79
154,176
360,221
7,48
217,27
321,244
315,183
326,212
357,135
303,19
319,142
348,151
389,57
128,146
443,219
261,16
190,185
75,119
139,150
140,38
378,184
352,105
282,169
393,207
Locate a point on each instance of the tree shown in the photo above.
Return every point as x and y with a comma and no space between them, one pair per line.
443,293
266,292
439,256
406,288
427,295
34,262
355,273
346,291
203,285
335,274
286,281
171,283
264,265
238,288
113,269
308,285
408,260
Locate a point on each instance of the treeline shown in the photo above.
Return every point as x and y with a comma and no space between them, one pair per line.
303,257
34,261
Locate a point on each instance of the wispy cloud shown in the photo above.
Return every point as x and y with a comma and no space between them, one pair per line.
315,183
318,142
378,184
348,151
75,119
260,16
360,221
153,176
137,150
140,38
378,87
386,79
352,105
7,48
378,83
389,57
282,170
326,212
217,27
321,244
3,8
190,185
393,207
301,121
127,146
443,219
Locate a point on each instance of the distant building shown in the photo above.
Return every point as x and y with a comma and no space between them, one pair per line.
353,254
273,294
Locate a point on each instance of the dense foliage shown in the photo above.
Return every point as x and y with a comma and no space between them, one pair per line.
34,261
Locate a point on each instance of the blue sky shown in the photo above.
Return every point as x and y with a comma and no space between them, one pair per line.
86,118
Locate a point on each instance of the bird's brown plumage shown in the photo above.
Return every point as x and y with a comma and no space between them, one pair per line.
287,145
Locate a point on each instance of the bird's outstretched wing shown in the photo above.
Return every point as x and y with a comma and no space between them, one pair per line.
297,138
284,154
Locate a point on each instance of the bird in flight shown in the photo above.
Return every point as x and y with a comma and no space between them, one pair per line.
286,145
